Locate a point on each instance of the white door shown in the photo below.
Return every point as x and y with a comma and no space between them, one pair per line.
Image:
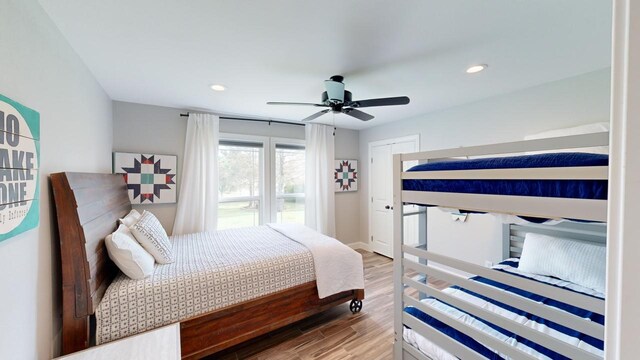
381,194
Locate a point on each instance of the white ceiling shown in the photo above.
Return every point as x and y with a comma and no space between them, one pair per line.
168,52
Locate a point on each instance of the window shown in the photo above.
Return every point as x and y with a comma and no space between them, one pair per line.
240,181
289,189
261,180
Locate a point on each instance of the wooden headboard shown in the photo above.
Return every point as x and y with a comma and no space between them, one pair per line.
87,209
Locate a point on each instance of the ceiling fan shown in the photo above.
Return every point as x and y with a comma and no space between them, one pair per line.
338,100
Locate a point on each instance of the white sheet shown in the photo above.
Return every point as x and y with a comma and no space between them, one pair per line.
338,267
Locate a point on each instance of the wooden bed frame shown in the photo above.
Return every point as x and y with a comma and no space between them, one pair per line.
87,209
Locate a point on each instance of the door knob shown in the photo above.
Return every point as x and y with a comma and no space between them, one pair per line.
388,207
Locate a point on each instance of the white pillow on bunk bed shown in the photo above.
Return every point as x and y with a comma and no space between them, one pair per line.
579,262
576,130
128,255
131,218
153,238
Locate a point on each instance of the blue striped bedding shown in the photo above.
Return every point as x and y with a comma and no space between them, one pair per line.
585,342
582,189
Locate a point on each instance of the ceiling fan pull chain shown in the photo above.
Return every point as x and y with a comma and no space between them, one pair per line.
334,124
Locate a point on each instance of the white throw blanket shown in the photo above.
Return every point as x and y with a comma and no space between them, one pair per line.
338,267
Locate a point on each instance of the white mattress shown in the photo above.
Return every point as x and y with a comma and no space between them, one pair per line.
211,271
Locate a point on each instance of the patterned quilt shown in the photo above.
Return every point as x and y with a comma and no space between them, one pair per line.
211,271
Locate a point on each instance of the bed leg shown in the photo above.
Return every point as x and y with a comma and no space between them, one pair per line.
356,303
355,306
75,334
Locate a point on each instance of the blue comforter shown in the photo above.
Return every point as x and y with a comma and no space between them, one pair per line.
582,189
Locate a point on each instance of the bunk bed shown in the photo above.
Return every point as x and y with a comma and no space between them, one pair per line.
500,312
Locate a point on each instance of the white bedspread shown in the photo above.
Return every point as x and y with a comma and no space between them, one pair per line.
338,267
211,271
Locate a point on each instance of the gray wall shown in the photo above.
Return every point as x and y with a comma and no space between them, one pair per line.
41,71
573,101
161,130
150,129
347,206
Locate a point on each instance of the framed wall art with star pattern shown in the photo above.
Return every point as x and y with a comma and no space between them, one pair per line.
346,175
150,178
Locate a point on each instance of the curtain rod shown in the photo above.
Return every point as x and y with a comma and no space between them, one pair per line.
256,120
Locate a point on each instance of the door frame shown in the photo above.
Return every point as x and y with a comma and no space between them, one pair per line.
415,138
624,173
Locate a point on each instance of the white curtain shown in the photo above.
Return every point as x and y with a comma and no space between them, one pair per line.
198,200
319,188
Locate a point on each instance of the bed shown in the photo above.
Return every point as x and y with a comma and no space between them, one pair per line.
88,207
487,313
544,319
576,188
560,185
588,343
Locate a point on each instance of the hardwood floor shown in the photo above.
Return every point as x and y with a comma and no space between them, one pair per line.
335,333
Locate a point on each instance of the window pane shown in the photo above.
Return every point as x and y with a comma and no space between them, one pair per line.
289,171
238,214
239,171
289,168
290,210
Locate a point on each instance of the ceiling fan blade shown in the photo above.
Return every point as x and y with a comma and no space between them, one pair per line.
400,100
294,103
360,115
335,90
316,115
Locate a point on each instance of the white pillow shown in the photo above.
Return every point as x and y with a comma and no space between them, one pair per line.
128,255
582,263
132,217
576,130
152,236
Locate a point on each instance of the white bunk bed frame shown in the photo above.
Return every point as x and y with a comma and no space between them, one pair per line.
543,207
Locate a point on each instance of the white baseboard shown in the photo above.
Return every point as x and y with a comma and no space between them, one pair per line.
360,246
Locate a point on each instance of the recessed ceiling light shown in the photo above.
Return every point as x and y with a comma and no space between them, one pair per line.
476,68
218,87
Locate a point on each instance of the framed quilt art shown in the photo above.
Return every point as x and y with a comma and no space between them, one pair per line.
150,178
346,175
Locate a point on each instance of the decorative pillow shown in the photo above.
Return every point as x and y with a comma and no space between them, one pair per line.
128,255
151,235
132,217
579,262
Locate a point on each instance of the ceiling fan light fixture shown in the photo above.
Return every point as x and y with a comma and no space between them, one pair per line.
218,87
476,68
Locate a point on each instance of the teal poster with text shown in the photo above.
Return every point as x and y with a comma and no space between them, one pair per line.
19,168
